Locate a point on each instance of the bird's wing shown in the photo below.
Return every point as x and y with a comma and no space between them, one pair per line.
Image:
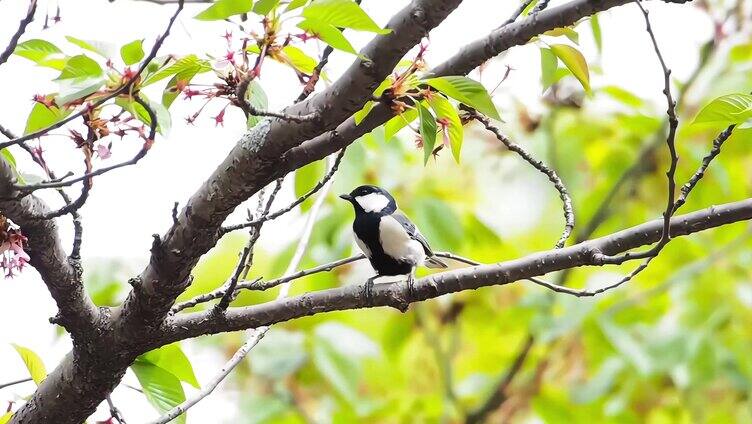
413,231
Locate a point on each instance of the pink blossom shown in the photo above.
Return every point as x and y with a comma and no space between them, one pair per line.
103,151
220,118
12,254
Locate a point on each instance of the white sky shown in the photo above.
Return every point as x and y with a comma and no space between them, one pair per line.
127,206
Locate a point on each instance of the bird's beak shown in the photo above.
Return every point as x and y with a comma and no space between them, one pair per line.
346,197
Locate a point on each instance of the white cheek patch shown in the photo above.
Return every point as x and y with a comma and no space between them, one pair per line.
373,202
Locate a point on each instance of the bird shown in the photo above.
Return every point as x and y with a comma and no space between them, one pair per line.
391,242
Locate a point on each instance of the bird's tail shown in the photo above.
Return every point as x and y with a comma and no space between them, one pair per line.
434,262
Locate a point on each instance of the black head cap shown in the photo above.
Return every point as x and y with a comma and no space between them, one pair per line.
371,199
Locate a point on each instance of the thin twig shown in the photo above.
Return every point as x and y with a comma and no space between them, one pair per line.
13,383
673,123
19,32
292,205
256,334
310,85
89,175
122,89
246,257
114,411
78,228
540,166
697,176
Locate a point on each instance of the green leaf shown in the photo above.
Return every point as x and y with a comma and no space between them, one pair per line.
172,359
342,14
327,33
263,7
729,109
6,418
162,389
623,96
360,115
549,65
41,52
8,156
279,354
529,7
171,91
467,91
256,97
392,126
358,344
103,49
601,383
164,119
340,370
305,178
427,131
625,344
595,26
295,4
80,77
741,53
299,60
566,32
445,110
80,66
33,363
223,9
132,52
574,61
188,65
42,117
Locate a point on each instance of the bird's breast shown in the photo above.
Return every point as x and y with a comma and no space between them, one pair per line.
397,243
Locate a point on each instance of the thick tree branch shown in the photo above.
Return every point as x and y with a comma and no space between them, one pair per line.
395,294
467,59
253,163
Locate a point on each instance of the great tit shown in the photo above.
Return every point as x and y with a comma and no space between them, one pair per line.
390,241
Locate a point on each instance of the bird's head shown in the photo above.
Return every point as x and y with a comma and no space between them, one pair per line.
371,199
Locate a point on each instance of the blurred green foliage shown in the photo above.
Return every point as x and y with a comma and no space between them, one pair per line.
671,346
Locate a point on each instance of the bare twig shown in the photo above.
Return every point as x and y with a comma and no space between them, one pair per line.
246,257
13,383
256,334
114,411
673,123
78,228
697,176
540,166
19,32
122,89
88,176
292,205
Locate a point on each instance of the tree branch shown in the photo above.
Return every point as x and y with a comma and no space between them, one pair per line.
62,277
257,334
254,162
19,32
120,90
395,294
